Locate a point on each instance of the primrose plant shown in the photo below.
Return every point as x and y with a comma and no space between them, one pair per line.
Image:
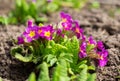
62,46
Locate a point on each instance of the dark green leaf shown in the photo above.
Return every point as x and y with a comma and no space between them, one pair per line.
16,50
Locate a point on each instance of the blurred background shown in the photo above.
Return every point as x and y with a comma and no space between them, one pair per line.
99,18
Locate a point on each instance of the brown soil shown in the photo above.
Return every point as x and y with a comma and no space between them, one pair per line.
96,22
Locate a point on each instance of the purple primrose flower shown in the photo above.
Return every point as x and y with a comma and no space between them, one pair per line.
91,40
100,45
30,34
66,17
59,32
30,23
82,52
20,40
48,31
66,25
78,31
103,58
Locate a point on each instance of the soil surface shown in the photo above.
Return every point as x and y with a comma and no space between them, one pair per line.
99,23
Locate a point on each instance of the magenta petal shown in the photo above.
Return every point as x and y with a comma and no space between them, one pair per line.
20,40
66,16
28,39
83,46
66,25
30,23
100,45
104,53
91,40
103,62
82,54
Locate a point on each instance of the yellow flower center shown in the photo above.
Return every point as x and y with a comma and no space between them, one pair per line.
77,30
32,33
40,31
47,34
101,57
64,20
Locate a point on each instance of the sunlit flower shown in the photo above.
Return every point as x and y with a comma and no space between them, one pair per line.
82,52
30,34
40,31
48,31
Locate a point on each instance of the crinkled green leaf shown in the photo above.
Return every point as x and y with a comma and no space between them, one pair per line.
91,77
24,58
73,47
16,50
83,74
60,73
53,61
91,67
32,77
56,49
44,74
67,56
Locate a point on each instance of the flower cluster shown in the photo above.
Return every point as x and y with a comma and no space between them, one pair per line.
98,51
33,32
89,48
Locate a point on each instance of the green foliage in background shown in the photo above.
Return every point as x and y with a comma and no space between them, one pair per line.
30,10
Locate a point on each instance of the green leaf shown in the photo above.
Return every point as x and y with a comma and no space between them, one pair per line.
91,67
18,2
83,74
90,47
60,73
73,47
67,56
95,4
91,77
16,50
52,7
32,77
44,74
0,79
24,58
56,49
53,61
4,20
